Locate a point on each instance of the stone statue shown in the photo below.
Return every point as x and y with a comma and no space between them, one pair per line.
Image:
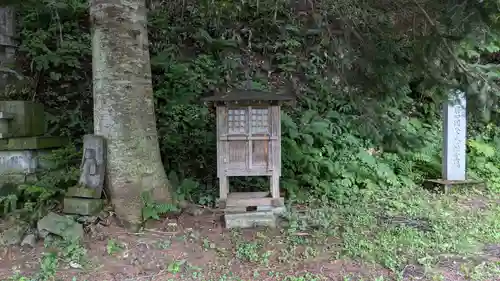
88,169
92,169
85,198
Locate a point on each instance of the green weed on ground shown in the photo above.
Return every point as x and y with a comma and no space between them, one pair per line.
402,227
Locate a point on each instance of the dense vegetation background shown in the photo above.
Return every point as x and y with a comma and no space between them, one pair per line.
369,77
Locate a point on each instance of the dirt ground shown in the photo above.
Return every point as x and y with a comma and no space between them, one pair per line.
198,248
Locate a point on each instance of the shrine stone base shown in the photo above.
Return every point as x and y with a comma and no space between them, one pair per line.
251,219
447,186
251,209
82,206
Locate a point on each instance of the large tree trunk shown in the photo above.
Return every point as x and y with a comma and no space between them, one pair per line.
124,106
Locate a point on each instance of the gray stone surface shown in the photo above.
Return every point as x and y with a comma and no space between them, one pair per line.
93,165
82,206
62,226
5,118
29,240
28,118
17,162
250,219
13,235
82,192
42,233
275,210
455,136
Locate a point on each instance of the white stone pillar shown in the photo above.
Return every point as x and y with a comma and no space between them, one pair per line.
455,137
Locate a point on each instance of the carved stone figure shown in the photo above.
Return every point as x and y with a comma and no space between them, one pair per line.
89,177
92,169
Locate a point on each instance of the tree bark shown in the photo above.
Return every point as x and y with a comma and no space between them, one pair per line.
124,106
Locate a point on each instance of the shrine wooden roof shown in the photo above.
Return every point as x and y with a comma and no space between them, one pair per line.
248,96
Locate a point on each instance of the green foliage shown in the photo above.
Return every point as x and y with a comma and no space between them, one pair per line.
152,209
56,54
484,157
113,247
369,83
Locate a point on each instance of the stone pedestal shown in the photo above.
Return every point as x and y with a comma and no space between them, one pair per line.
82,201
81,192
82,206
253,209
250,219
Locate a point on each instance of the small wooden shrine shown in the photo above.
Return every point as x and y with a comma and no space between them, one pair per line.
248,144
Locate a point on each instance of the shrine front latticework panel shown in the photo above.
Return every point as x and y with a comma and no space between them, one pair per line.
247,140
260,121
237,121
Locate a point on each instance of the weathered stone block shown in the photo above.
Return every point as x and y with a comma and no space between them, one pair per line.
32,143
61,226
13,235
20,162
82,206
265,208
275,210
5,119
28,118
83,192
19,166
250,219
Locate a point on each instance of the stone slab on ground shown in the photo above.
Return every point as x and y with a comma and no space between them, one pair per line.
29,240
82,206
13,235
82,192
250,219
62,226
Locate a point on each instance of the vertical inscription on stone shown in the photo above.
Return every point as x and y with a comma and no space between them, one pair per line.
455,126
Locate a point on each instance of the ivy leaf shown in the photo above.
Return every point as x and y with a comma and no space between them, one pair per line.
149,212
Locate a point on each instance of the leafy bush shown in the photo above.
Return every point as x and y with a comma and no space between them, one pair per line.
366,116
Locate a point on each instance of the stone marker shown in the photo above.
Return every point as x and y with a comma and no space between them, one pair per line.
93,164
455,136
454,144
84,199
